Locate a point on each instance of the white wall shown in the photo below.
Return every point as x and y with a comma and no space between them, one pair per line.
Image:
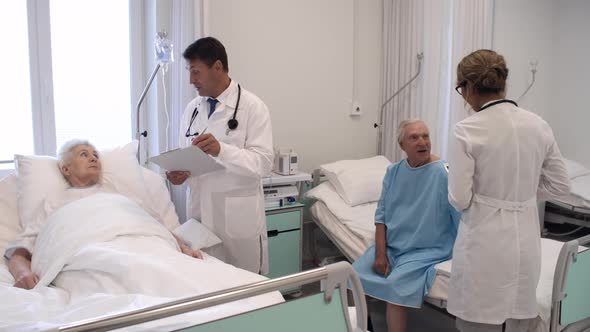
524,32
556,34
570,113
308,62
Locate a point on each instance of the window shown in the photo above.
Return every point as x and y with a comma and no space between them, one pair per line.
15,86
91,74
66,75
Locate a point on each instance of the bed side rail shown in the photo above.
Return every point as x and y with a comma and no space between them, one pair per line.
570,304
334,276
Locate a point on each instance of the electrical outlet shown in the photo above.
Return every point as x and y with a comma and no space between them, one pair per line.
356,109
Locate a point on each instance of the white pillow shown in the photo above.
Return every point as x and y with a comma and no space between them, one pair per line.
575,169
357,181
9,223
38,177
160,199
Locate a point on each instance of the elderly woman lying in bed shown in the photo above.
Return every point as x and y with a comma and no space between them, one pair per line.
415,228
80,165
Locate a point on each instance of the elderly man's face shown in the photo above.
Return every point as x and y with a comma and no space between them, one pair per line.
84,168
416,144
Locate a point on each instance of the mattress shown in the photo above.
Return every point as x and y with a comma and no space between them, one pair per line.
579,197
351,244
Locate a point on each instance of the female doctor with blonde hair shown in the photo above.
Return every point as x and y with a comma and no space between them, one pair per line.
502,158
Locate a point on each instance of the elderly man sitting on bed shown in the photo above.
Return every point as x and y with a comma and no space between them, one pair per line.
415,228
80,165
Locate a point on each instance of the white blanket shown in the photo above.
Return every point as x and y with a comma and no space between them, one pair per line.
581,187
106,255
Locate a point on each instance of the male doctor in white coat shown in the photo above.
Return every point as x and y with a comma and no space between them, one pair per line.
233,126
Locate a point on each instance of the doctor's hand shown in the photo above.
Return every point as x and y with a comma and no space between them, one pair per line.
27,280
177,177
208,143
381,265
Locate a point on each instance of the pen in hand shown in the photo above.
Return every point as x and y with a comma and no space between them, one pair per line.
194,138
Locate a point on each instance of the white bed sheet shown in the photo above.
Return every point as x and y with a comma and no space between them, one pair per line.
580,193
581,187
47,307
340,219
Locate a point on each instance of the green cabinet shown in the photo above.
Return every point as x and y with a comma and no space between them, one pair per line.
284,239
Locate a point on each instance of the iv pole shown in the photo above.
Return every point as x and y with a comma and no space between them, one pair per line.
139,134
164,55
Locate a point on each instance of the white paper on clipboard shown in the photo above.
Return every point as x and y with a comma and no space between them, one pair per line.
190,159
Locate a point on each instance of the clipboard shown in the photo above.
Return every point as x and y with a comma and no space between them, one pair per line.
190,159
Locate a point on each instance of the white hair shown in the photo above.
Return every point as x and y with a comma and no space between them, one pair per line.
401,129
64,155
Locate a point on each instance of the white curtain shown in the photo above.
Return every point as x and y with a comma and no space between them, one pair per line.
187,26
472,29
402,40
171,91
444,31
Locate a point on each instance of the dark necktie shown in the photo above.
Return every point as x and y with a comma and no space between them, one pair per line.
212,102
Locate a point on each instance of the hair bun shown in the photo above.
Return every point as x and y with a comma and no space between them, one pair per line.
486,69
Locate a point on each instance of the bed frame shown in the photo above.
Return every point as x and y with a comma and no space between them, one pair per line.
557,212
326,311
570,303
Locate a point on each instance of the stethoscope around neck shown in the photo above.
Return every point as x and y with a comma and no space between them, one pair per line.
232,123
501,101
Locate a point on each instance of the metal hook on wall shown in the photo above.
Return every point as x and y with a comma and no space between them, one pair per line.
379,125
533,65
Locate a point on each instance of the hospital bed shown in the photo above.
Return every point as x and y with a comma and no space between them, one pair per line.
574,208
563,292
252,299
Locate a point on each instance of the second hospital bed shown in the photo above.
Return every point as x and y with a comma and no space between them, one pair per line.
563,293
574,208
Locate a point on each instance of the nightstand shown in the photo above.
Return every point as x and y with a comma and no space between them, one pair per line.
284,240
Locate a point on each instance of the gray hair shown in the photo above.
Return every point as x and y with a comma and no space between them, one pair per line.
64,155
401,129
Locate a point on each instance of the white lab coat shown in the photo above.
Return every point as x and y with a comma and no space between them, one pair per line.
502,158
231,202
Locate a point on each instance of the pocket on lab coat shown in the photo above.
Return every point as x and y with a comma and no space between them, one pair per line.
240,217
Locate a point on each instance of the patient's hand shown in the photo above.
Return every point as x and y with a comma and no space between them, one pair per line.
27,280
381,265
177,177
193,253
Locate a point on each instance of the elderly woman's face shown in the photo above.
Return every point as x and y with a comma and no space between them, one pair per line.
416,143
84,168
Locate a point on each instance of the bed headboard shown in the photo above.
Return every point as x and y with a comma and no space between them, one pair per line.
317,177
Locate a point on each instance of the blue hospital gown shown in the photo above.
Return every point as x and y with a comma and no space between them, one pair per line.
421,231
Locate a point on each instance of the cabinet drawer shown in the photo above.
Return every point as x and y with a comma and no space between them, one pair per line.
283,221
284,254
